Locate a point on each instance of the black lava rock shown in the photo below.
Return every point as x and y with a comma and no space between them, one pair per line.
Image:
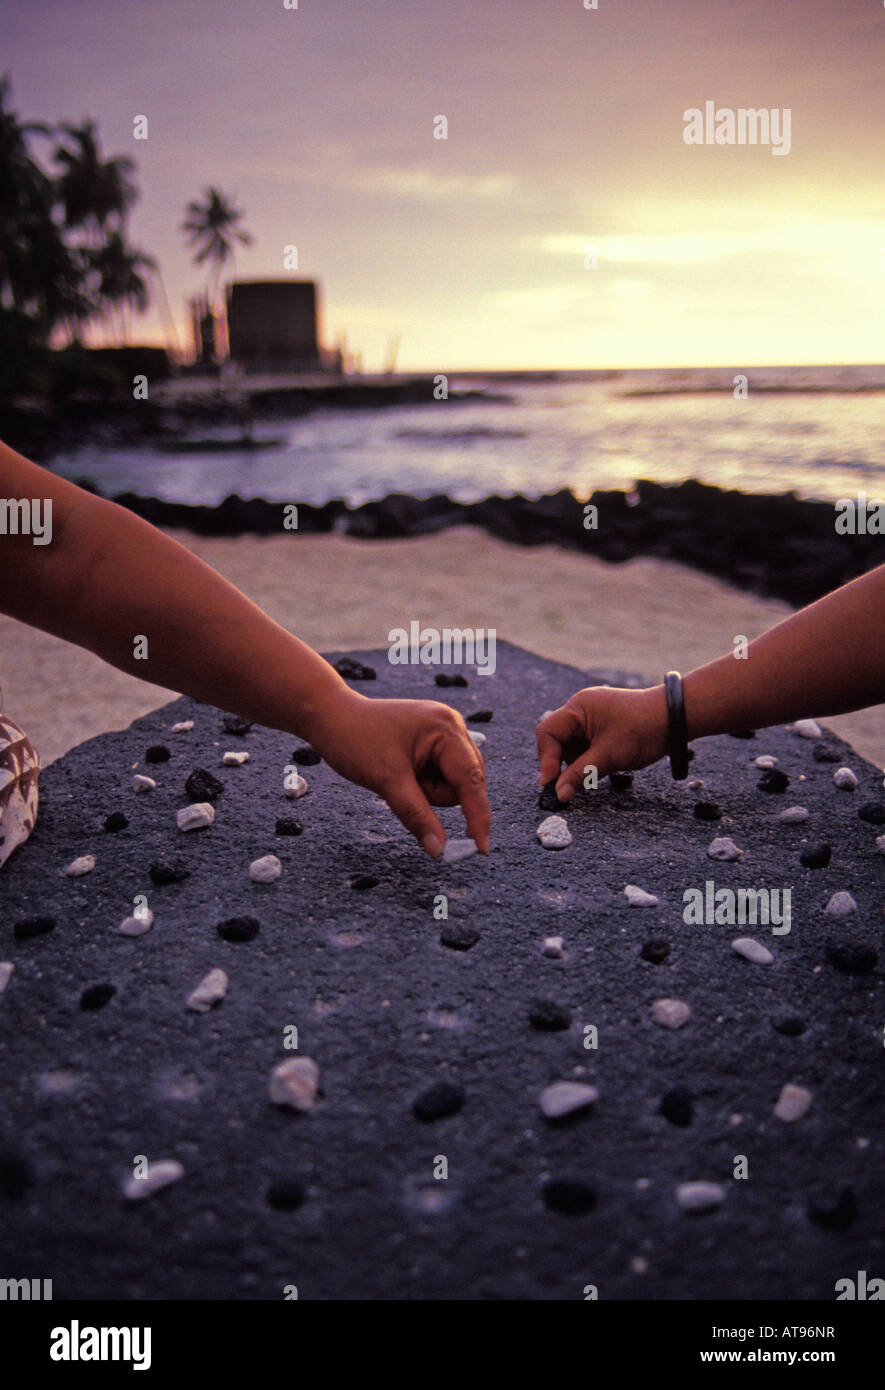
677,1107
549,1015
857,958
873,812
286,1195
569,1196
239,929
459,936
443,680
826,753
791,1025
96,996
203,785
480,716
169,871
620,781
548,800
157,753
288,825
363,882
656,950
236,724
306,756
743,733
707,810
115,821
30,927
442,1099
16,1175
816,856
353,670
773,780
834,1211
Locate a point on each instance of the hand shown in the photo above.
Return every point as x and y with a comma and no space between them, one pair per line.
611,730
415,754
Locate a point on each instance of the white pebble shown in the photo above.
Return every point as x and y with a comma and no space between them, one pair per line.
140,783
554,947
141,921
880,843
637,897
158,1176
455,850
807,728
6,969
183,727
670,1013
195,816
295,1083
724,848
294,786
845,778
208,992
700,1196
266,869
794,814
554,833
84,865
792,1103
752,950
765,760
841,904
235,759
566,1098
478,738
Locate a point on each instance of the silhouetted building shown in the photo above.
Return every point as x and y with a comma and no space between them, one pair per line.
272,325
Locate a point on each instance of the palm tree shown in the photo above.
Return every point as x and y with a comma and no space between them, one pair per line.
95,193
212,227
120,274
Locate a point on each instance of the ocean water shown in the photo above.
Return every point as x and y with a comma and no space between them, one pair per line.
577,430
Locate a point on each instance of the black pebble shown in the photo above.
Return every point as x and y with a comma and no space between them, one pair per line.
157,753
306,756
29,927
656,950
816,856
16,1175
791,1025
438,1101
707,810
285,1196
550,1016
363,882
203,785
620,781
480,716
169,871
773,780
569,1196
743,733
826,753
677,1106
96,996
443,680
459,936
239,929
115,821
873,812
288,825
859,959
236,724
353,670
835,1211
548,800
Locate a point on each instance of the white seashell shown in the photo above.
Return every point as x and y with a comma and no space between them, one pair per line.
700,1196
183,727
724,848
637,897
807,728
553,947
566,1098
670,1013
195,816
84,865
841,904
208,992
295,1083
752,950
158,1176
794,814
6,969
19,770
792,1103
141,921
845,778
765,760
140,783
266,869
234,759
880,843
478,738
294,785
457,849
554,833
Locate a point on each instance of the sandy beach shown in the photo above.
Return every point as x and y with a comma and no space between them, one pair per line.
335,592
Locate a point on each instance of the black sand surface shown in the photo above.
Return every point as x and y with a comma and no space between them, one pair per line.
342,1201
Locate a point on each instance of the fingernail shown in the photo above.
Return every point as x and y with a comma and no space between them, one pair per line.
432,844
564,791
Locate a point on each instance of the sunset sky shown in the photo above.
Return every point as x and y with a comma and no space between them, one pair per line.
565,131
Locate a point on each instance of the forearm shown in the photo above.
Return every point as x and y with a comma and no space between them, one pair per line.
827,659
